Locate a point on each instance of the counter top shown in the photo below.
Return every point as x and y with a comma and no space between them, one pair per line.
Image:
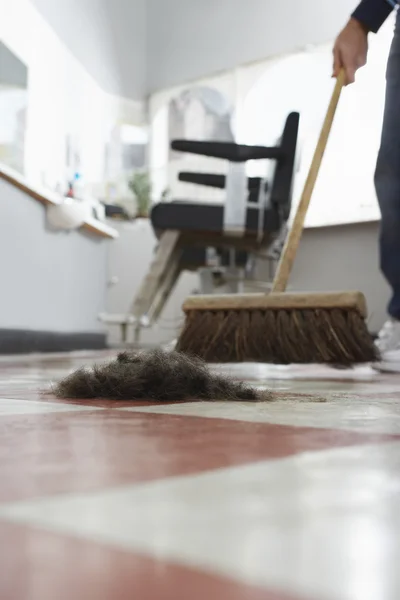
47,197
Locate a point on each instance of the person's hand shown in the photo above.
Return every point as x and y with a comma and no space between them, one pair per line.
350,50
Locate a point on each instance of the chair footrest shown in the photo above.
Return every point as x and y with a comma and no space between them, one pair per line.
122,319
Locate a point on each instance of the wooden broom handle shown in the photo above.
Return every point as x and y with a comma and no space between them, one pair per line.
293,239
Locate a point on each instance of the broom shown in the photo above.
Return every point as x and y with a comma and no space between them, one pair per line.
282,328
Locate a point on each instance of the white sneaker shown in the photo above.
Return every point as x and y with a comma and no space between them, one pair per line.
388,344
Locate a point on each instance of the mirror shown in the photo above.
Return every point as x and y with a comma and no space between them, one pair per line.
13,108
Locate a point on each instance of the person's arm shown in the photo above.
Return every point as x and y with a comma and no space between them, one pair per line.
373,13
351,45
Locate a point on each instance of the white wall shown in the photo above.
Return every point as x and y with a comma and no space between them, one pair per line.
190,39
343,258
49,281
63,98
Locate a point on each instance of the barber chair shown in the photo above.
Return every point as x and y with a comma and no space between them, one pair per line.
216,236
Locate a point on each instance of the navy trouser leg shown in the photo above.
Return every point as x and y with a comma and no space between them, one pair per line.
387,178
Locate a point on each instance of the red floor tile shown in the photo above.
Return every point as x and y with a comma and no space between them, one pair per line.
82,451
36,565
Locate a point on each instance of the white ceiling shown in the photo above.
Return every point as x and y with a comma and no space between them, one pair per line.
133,47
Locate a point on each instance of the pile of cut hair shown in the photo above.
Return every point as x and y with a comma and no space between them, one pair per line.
154,375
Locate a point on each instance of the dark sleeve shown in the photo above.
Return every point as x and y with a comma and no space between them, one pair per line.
373,13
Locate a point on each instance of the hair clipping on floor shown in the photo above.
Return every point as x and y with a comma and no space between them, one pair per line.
155,375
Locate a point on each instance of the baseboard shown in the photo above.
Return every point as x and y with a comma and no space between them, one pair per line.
19,341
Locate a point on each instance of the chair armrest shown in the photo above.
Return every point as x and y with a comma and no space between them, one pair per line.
227,150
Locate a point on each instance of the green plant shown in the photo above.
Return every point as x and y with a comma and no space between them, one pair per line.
140,186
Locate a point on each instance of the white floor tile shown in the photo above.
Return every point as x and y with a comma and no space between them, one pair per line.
270,372
347,413
10,406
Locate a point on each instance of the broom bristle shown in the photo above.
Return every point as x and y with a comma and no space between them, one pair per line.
302,336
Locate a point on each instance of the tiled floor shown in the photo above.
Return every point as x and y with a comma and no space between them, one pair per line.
293,500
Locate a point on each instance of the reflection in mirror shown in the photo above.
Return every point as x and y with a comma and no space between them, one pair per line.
199,113
13,107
